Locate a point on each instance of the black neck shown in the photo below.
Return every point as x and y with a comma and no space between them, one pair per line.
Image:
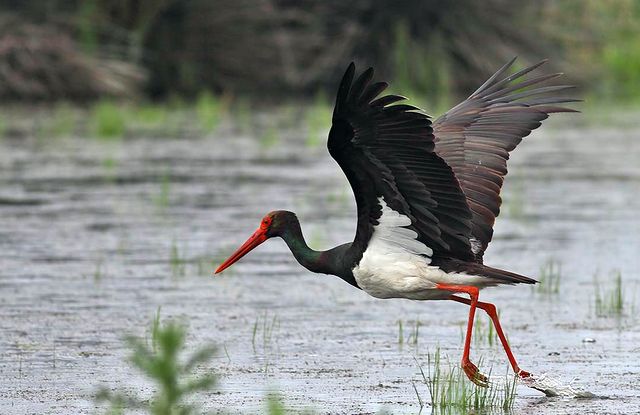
335,261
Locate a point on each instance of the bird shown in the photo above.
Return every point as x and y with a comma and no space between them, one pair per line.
427,192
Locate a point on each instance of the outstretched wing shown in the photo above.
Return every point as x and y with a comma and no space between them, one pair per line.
403,190
476,136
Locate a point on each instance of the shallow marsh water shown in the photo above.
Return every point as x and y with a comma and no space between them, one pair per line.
95,236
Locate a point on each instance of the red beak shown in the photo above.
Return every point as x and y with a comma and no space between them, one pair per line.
258,237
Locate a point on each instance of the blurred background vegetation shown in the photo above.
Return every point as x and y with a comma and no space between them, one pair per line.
212,54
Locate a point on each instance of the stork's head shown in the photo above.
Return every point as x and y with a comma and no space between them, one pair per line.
274,223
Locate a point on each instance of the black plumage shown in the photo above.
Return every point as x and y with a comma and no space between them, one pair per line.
476,137
386,150
445,177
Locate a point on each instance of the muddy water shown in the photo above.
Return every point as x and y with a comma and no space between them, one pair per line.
95,236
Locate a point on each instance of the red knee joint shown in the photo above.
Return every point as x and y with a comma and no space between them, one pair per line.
489,308
473,292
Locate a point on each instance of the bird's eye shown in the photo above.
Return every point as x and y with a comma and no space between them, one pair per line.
265,223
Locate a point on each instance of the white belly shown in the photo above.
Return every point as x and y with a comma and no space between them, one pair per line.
397,265
405,275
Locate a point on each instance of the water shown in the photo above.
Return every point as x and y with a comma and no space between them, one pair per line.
95,236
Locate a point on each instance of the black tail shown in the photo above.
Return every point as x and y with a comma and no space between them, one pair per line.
504,277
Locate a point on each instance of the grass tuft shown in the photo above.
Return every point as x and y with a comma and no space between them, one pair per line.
109,120
264,327
610,302
413,335
155,330
151,115
275,405
269,138
264,334
450,389
550,277
483,331
177,262
174,379
208,110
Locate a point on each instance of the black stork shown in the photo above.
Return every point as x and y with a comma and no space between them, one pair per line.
427,194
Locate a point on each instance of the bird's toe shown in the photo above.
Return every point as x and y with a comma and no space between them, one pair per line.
474,374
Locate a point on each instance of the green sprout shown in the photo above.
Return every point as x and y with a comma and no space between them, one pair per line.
610,302
174,378
450,389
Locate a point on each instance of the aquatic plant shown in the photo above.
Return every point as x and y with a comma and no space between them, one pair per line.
208,110
205,265
264,327
449,389
177,262
483,331
275,405
150,114
269,138
110,167
549,279
264,333
155,330
414,334
108,120
162,199
610,302
98,273
173,377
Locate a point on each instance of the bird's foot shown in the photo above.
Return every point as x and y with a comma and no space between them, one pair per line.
474,374
522,374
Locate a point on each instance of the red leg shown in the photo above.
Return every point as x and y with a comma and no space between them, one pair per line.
469,368
493,314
